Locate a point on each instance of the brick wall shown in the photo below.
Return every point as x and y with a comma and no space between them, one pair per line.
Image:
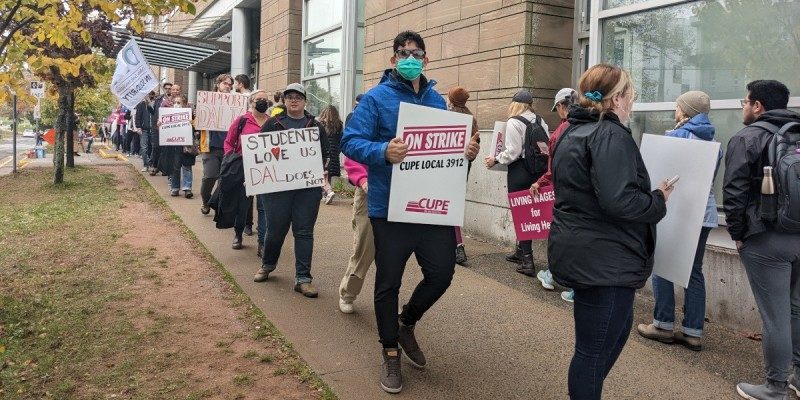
281,30
490,47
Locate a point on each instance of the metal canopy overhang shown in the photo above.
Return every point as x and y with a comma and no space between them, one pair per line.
178,52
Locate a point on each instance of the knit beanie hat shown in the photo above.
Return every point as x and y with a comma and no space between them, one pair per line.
694,102
458,96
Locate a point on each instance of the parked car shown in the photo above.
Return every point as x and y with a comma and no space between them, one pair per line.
28,133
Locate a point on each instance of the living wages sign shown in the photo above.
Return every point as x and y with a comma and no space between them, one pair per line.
429,185
532,215
498,144
133,79
282,160
216,110
176,127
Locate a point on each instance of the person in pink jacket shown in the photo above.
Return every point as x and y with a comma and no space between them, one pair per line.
253,121
363,242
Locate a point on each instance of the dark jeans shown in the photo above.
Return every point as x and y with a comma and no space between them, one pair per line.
603,319
127,138
135,144
155,149
262,220
298,209
144,141
245,209
435,249
772,263
694,298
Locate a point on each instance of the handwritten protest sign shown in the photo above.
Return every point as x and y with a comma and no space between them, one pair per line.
176,126
532,215
498,144
282,160
429,186
216,110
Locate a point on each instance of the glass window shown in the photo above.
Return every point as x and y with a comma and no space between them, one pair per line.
322,92
714,46
726,122
619,3
323,53
322,14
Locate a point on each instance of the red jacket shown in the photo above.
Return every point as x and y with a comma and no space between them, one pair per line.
232,142
547,178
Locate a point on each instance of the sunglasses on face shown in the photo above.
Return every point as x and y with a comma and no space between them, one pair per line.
417,53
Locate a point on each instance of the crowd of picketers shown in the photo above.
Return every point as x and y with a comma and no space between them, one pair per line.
603,233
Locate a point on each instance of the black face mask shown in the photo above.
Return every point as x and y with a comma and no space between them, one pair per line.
262,105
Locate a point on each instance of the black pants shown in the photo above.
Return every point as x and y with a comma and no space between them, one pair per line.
245,211
435,249
603,319
519,178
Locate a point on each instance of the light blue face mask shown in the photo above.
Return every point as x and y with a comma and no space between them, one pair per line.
409,68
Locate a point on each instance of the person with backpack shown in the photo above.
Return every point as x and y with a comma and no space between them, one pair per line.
691,116
526,157
211,147
761,199
249,123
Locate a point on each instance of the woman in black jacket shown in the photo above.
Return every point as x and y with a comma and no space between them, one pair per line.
603,234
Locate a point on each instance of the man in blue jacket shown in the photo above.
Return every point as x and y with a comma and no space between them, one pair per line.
369,138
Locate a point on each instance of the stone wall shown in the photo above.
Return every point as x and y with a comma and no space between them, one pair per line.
281,40
492,48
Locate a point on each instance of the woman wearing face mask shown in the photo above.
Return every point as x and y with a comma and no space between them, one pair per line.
603,234
253,121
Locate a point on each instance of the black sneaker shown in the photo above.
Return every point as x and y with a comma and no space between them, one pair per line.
205,209
461,255
188,194
248,230
408,343
391,374
237,243
515,257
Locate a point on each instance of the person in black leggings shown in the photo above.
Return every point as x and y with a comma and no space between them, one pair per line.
519,177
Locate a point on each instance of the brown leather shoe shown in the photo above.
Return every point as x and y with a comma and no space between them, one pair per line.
649,331
261,276
307,289
690,342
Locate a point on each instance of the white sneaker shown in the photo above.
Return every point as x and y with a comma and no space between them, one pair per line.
345,306
329,197
546,278
144,170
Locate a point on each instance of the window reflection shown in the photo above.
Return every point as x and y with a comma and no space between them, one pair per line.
323,53
322,14
322,92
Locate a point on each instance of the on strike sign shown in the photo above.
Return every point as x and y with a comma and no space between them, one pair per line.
176,126
216,110
498,144
429,185
282,160
532,215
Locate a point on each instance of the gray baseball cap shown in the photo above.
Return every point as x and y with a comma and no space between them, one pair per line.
295,87
523,96
562,95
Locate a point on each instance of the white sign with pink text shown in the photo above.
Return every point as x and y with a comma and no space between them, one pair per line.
429,185
498,144
175,127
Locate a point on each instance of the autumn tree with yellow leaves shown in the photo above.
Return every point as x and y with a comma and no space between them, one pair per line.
67,43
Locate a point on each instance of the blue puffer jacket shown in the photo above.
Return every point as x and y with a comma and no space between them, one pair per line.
374,124
700,128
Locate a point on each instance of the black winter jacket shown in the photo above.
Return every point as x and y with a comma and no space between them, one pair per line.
745,160
146,116
231,190
605,214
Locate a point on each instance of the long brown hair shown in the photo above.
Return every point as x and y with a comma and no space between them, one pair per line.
329,118
604,81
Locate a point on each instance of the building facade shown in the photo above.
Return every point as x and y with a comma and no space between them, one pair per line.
493,48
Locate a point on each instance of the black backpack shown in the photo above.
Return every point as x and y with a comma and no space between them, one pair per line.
783,156
534,146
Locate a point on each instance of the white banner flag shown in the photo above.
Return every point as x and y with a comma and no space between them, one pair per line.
133,79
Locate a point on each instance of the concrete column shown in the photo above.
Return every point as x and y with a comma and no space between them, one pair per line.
240,42
191,90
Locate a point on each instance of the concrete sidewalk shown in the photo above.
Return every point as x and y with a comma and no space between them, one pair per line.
494,335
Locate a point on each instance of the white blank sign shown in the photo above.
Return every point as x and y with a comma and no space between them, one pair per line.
678,233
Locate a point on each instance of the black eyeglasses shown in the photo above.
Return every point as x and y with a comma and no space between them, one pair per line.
745,101
417,53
